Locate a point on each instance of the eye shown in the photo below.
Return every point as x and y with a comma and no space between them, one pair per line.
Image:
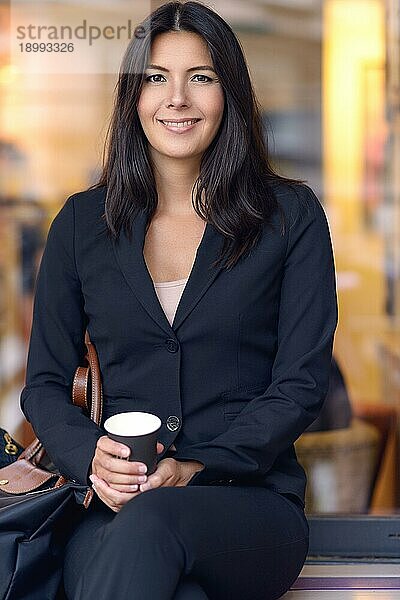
148,78
205,77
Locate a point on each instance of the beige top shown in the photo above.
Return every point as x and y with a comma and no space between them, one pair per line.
169,294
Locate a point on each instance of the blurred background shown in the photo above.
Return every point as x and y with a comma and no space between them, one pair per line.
327,76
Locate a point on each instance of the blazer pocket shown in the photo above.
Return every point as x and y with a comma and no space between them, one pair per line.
235,400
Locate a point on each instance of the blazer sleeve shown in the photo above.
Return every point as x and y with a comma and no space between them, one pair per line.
56,348
308,315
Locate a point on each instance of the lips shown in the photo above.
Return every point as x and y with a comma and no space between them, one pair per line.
179,126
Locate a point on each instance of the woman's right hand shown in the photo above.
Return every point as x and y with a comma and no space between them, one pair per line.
121,478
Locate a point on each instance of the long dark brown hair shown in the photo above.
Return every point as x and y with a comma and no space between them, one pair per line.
232,191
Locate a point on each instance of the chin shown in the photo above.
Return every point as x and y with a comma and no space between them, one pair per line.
178,154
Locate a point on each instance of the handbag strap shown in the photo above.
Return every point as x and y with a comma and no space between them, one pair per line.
87,377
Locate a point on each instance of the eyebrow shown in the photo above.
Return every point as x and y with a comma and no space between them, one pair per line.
199,68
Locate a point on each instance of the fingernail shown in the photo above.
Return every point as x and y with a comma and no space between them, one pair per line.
92,478
142,469
125,452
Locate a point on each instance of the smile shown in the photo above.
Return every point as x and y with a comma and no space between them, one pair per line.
177,126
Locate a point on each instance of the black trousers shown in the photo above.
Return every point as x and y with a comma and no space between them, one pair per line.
188,543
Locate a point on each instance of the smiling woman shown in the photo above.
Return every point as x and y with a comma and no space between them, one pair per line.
236,360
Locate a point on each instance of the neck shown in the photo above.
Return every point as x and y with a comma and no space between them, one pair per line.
175,179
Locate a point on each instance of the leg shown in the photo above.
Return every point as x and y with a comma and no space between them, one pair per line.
82,544
244,543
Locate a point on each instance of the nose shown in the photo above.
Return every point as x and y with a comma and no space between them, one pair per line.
178,95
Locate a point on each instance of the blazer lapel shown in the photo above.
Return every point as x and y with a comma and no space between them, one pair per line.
129,256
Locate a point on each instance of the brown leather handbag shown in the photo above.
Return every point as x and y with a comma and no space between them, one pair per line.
36,503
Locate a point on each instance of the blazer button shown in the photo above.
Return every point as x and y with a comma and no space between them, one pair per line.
172,345
173,423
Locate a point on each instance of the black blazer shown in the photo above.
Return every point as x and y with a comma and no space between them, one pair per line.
241,373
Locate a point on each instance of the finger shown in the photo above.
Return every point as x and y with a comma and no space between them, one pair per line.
154,482
126,489
128,486
109,446
109,464
98,490
122,479
109,494
163,475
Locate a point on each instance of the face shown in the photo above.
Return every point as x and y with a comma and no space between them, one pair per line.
180,92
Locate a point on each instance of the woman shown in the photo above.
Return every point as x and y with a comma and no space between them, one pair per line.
207,284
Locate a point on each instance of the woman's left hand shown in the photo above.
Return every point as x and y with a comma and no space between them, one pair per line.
171,472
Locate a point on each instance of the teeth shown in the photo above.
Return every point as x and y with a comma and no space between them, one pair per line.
175,124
